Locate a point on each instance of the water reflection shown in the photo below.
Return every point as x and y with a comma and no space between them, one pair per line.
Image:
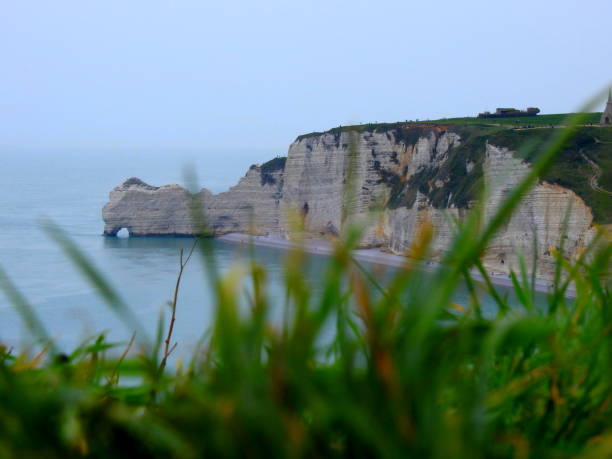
143,270
163,252
154,242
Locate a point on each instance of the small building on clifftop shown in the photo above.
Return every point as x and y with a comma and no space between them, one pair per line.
510,113
606,116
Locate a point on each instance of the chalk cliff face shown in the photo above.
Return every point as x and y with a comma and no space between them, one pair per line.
548,214
393,181
318,167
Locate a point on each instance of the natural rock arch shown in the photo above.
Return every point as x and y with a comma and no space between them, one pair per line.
117,231
122,232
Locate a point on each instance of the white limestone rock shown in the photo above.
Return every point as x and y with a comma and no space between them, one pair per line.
332,179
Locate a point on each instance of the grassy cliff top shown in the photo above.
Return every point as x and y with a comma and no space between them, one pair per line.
538,120
558,119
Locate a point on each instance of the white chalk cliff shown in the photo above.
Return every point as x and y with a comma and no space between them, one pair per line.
397,180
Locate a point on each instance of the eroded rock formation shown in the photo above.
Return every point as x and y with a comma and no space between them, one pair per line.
392,180
252,205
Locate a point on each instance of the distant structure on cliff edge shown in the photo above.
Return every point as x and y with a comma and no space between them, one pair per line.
510,113
606,116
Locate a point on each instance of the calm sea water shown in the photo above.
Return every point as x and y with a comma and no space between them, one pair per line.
71,189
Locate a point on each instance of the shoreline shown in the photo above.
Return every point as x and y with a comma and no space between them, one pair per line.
373,256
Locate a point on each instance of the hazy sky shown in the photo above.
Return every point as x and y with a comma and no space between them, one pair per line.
189,74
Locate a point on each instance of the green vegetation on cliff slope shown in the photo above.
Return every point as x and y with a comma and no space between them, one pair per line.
587,154
455,182
268,168
583,166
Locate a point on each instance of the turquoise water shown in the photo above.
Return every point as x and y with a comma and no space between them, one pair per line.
71,191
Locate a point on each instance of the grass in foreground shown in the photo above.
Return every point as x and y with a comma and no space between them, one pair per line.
407,373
